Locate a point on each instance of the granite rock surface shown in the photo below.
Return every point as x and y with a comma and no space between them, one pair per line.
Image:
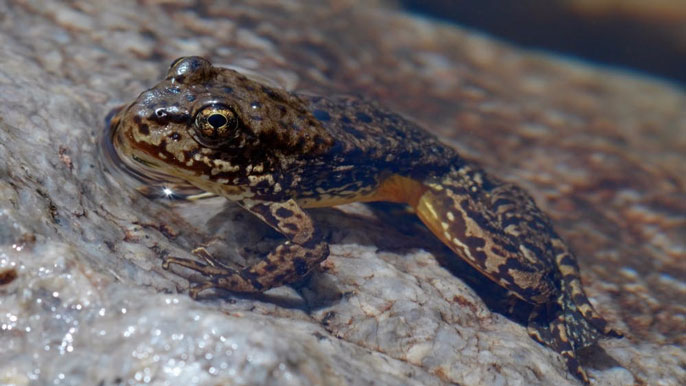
83,297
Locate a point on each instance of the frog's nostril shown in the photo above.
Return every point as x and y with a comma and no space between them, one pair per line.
161,113
169,114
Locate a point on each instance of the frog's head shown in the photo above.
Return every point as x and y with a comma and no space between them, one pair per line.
206,124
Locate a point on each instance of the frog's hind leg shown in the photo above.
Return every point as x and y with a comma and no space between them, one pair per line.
571,322
465,217
575,294
555,334
498,229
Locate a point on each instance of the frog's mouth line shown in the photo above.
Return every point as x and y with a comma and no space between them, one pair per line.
146,176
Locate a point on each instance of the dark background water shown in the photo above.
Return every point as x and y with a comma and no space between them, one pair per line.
649,37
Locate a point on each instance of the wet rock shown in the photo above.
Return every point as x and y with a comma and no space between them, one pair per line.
602,152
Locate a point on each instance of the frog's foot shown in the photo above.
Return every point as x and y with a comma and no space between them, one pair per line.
554,334
211,273
208,268
567,327
288,262
574,291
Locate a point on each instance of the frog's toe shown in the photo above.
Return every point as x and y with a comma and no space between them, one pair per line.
565,348
575,297
204,254
194,290
540,333
202,268
574,366
597,321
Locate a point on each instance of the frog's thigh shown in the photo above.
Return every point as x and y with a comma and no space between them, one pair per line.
447,214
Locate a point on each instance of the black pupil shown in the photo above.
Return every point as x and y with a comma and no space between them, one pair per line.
216,120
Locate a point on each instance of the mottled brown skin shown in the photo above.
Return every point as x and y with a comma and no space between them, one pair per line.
275,153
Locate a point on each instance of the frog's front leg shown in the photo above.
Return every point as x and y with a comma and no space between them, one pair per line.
290,260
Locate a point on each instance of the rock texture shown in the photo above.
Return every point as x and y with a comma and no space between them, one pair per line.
83,299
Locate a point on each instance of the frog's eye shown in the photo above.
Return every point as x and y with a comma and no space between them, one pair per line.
214,125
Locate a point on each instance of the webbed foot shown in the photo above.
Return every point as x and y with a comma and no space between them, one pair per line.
288,262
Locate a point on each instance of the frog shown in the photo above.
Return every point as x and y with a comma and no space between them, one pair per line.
278,153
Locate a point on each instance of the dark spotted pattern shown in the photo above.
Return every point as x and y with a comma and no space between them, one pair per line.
286,152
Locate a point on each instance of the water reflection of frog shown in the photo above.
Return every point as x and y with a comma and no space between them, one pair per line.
275,153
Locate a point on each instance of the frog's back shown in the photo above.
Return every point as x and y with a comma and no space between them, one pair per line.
367,136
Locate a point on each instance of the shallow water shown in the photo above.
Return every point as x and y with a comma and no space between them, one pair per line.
602,151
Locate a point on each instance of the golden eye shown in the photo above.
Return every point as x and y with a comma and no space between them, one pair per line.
215,124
